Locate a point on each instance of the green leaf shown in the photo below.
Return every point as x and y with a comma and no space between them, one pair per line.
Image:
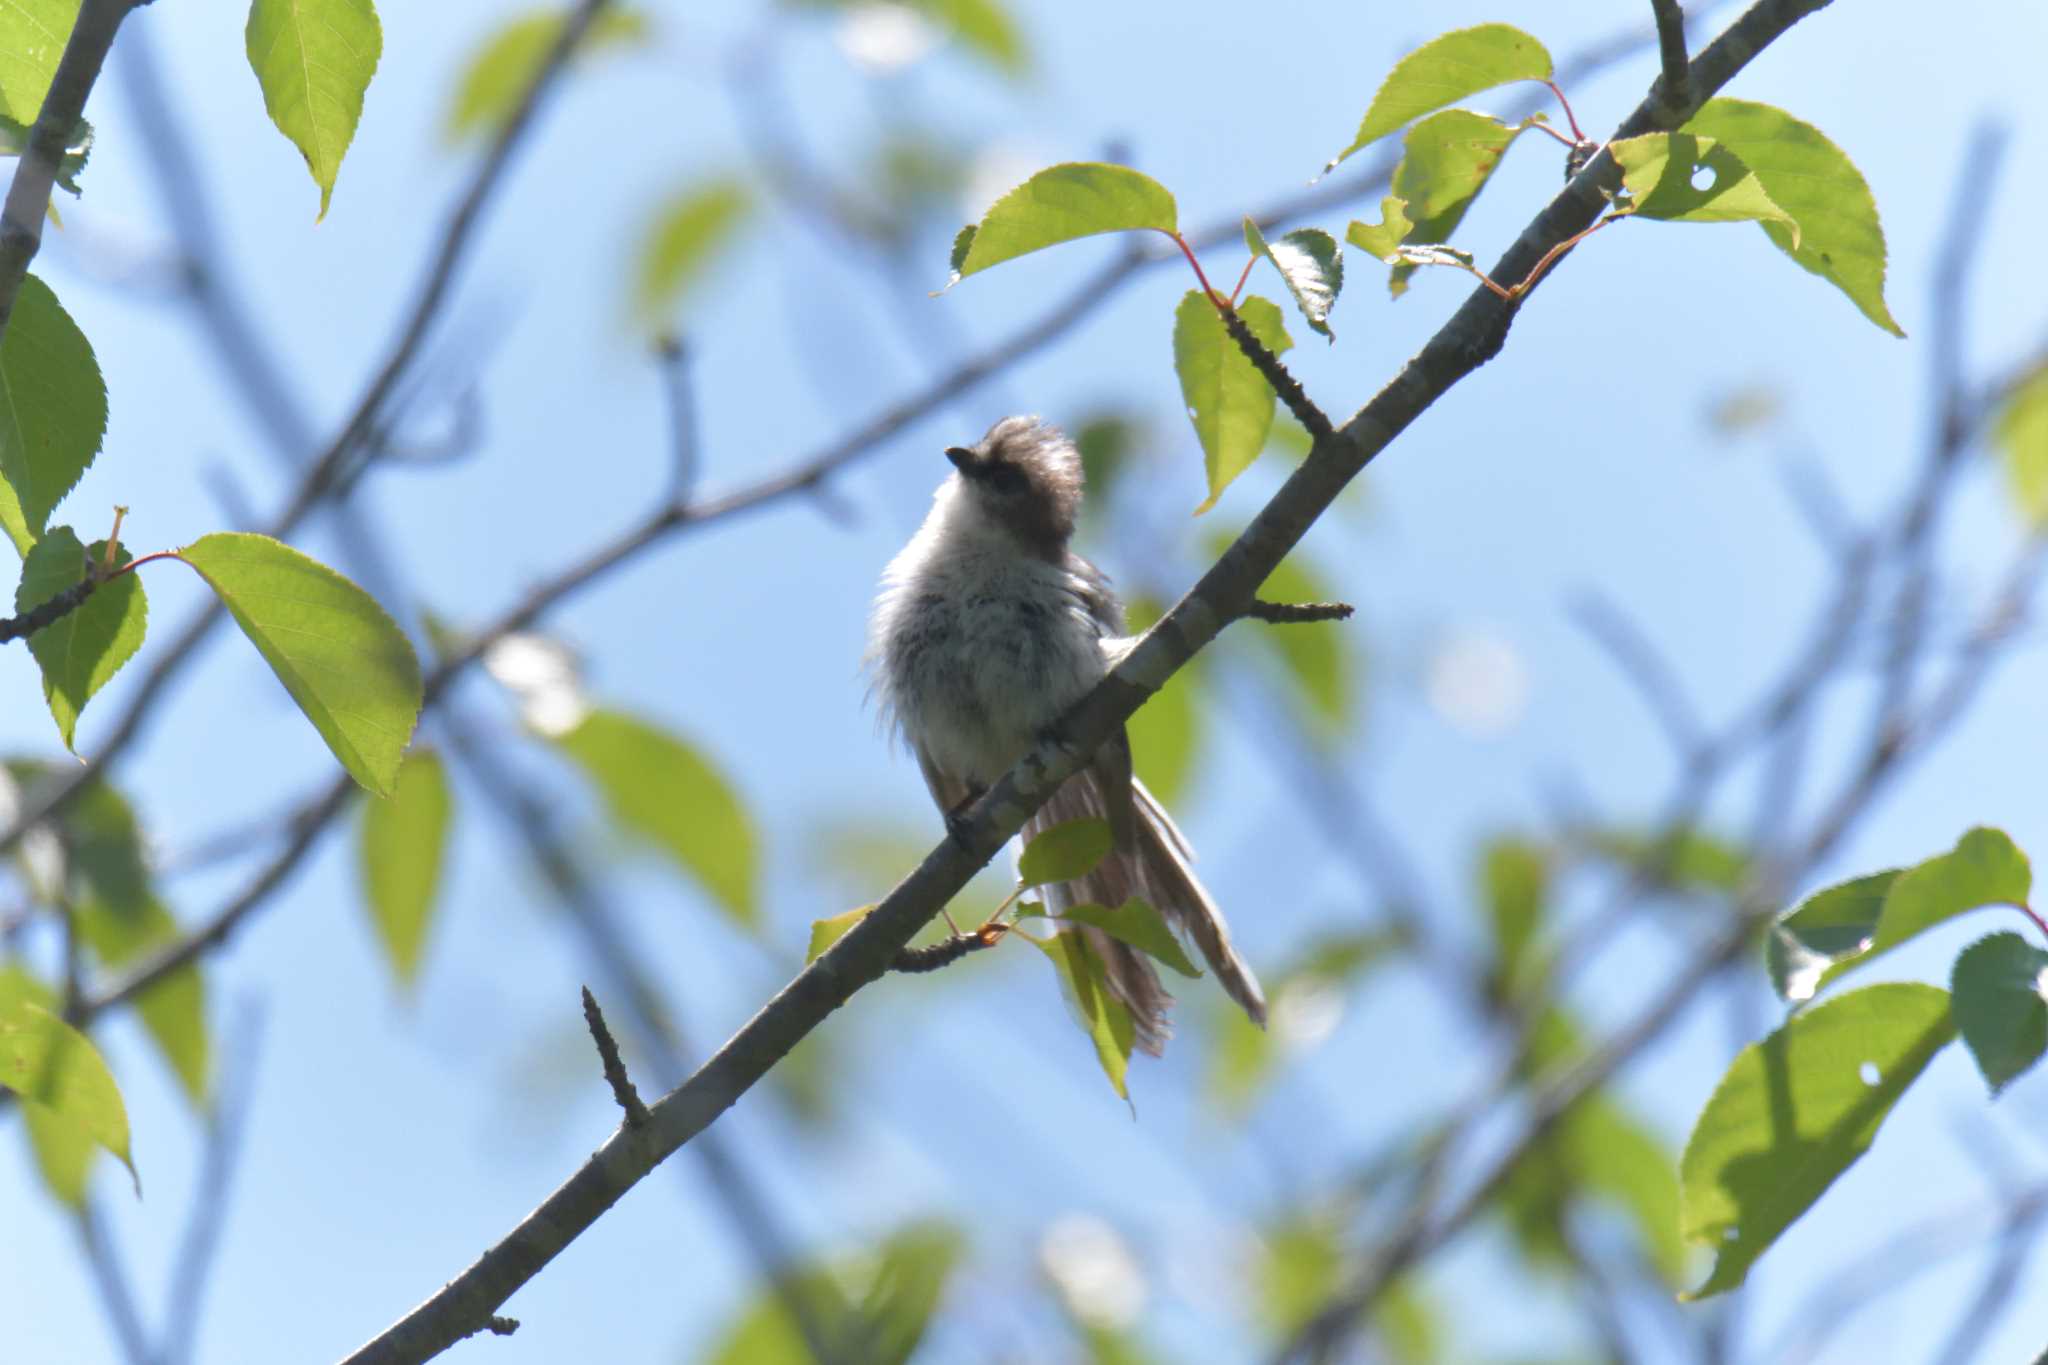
1382,239
683,238
32,38
905,1290
984,28
404,842
1839,237
1297,1274
62,1153
1446,70
877,1305
1795,1111
1514,877
1104,1018
1445,161
1311,265
53,411
77,147
1314,658
314,60
665,791
1683,178
1847,925
1067,850
54,1067
81,651
1598,1151
503,66
342,659
826,932
2020,435
1228,400
1166,732
2000,1002
1060,204
1136,923
1693,859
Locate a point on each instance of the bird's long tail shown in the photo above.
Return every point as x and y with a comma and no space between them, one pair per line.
1156,866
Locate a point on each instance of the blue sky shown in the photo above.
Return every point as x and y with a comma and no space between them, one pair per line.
390,1140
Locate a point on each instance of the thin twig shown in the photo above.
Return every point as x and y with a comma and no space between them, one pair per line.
614,1065
1311,417
1674,87
1298,613
1642,664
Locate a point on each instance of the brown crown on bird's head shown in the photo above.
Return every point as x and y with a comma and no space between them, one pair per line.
1027,474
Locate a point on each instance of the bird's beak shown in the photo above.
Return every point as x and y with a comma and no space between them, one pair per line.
962,458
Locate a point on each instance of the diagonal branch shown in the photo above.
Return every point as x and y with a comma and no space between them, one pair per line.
1473,335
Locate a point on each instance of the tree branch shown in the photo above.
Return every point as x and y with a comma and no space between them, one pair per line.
28,196
614,1065
1674,87
63,604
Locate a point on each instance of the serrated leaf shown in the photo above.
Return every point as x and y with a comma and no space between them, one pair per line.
1136,923
1067,850
1228,400
1104,1018
1845,926
1446,161
32,38
53,411
1446,70
1839,237
2000,1001
54,1067
1684,178
826,932
404,841
77,147
81,651
2020,435
502,67
1382,239
1059,204
664,790
314,60
1311,265
1795,1111
343,660
682,239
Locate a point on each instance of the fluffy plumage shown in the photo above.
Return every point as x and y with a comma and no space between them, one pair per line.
988,628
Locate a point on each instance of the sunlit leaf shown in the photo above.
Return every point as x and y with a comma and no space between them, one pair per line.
1797,1110
77,147
826,932
1446,70
1382,239
2000,1001
1446,161
1139,925
63,1155
2020,435
1104,1018
1844,926
1059,204
1514,876
314,60
53,411
683,238
1228,400
503,66
53,1066
81,651
1311,265
984,28
664,790
1684,178
1067,850
403,844
1840,238
340,656
32,38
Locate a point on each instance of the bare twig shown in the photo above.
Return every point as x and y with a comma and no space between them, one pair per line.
1640,662
1298,613
1674,86
614,1065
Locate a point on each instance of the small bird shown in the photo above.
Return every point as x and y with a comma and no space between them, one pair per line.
987,628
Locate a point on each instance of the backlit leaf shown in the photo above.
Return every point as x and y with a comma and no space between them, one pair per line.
404,841
1382,239
1104,1018
1797,1110
667,792
1136,923
504,65
81,651
53,411
1446,161
1311,265
53,1066
1446,70
1999,985
314,60
340,656
685,235
1067,850
1228,400
2020,435
1684,178
826,932
1060,204
32,38
1515,879
1166,732
77,147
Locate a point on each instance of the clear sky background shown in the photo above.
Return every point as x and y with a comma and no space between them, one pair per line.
390,1139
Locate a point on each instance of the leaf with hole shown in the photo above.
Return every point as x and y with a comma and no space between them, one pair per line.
1228,400
661,788
1684,178
1797,1110
1445,70
81,651
402,845
314,60
1311,265
1060,204
1838,237
53,411
1999,994
1065,851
